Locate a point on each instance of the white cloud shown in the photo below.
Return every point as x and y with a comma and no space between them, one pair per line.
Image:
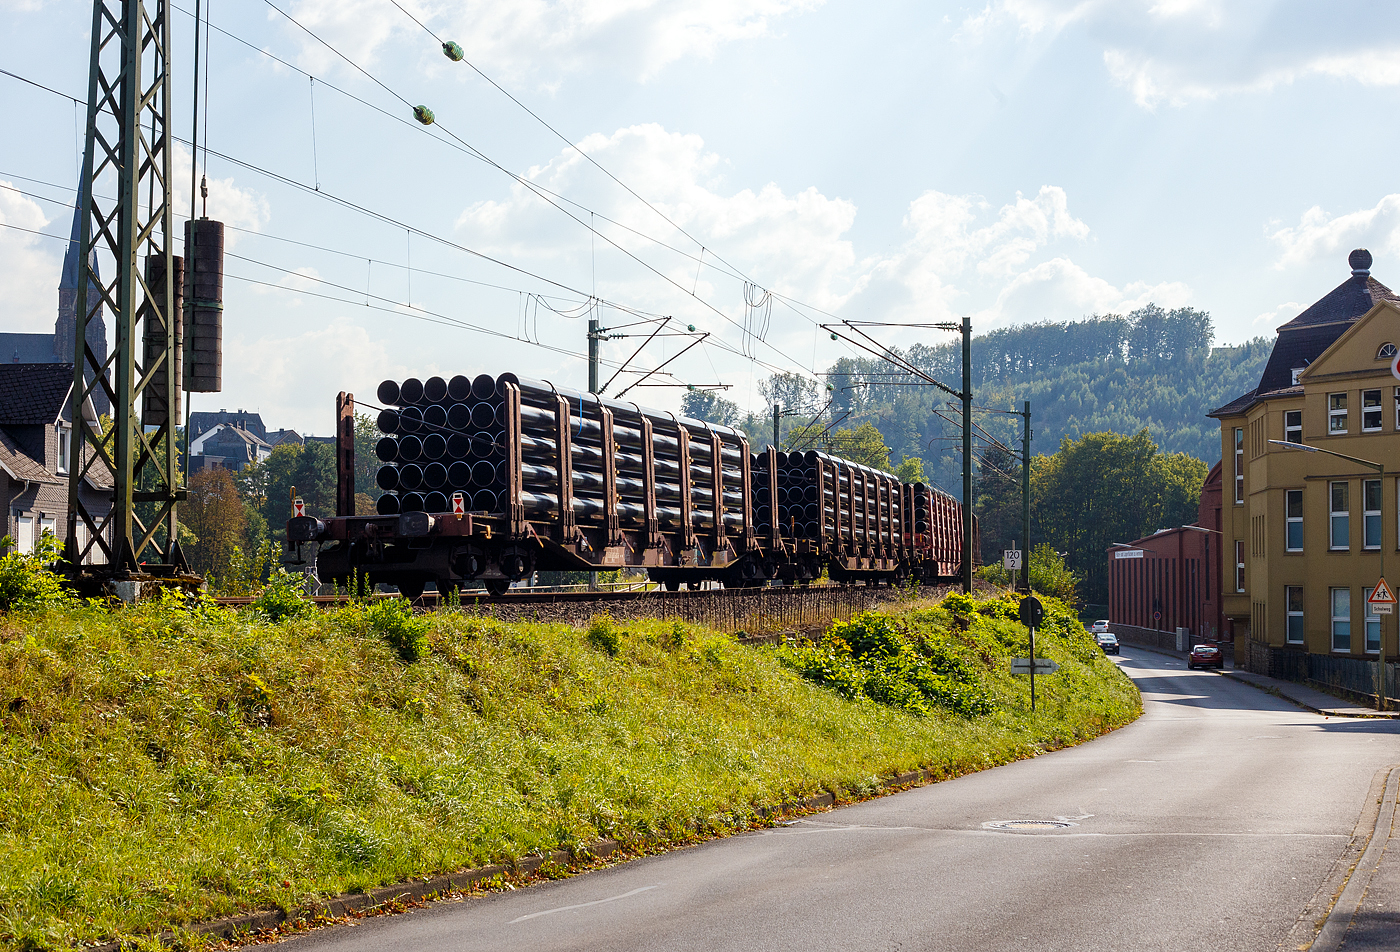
962,250
274,375
542,39
1319,236
793,240
229,203
29,266
1182,51
961,253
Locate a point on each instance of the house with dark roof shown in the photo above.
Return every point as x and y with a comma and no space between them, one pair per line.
37,451
203,421
1303,533
227,446
58,347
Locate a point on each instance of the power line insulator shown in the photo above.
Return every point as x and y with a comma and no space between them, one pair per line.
424,115
452,51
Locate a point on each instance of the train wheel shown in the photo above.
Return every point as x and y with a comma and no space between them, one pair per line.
496,586
411,590
672,585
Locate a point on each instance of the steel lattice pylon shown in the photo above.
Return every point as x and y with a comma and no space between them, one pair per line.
129,139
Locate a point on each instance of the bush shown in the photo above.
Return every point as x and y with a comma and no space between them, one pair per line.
875,656
603,634
1049,575
283,597
394,621
25,579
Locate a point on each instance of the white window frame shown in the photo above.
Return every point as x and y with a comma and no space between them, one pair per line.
1292,433
1372,623
1370,517
1372,411
1386,351
1290,520
1239,465
65,443
24,534
1239,565
1337,412
1337,516
1341,624
1288,602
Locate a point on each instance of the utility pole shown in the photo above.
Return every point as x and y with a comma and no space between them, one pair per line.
1026,502
128,142
967,453
595,334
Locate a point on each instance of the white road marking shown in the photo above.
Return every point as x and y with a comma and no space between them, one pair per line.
583,905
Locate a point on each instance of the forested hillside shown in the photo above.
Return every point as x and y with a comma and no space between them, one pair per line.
1151,369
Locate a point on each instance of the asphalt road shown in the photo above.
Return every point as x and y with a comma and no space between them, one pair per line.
1208,824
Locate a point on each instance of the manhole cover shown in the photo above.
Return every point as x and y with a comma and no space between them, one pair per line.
1027,824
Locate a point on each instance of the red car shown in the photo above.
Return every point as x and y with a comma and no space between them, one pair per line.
1206,656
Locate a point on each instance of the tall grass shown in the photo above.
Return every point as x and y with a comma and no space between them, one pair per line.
161,764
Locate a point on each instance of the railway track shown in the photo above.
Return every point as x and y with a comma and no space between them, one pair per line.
733,610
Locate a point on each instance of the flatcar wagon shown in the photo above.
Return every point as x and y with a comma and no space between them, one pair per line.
487,480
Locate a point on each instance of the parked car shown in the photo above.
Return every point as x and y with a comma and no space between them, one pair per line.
1206,656
1099,626
1108,641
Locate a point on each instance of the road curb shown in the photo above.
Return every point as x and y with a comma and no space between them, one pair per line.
1339,917
246,926
1324,711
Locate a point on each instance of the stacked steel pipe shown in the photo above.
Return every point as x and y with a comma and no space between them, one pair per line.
453,436
441,437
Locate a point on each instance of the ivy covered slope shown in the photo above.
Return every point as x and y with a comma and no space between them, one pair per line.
165,763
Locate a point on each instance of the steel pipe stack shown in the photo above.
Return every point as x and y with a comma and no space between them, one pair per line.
441,437
452,436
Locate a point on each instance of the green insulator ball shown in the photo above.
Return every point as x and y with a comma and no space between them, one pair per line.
833,335
452,51
690,327
424,115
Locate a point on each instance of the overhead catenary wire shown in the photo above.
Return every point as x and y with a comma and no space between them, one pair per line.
388,219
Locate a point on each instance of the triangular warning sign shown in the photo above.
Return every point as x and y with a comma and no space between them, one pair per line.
1382,595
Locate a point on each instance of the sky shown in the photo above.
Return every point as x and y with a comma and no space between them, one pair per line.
749,169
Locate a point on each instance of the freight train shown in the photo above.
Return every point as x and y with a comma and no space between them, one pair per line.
486,480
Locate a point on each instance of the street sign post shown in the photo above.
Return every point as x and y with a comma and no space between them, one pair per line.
1032,615
1011,558
1041,666
1382,600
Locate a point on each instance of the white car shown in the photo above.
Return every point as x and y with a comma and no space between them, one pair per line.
1099,626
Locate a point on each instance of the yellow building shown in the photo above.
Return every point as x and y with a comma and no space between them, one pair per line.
1304,534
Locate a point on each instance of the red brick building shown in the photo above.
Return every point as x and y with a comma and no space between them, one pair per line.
1171,579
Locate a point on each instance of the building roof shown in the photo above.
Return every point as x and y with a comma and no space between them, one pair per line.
1235,406
27,349
203,421
1303,339
33,393
225,433
1348,300
20,465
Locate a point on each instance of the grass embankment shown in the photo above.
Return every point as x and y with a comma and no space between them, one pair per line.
160,765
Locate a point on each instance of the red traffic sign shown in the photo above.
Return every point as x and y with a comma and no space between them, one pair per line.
1395,366
458,507
298,507
1382,595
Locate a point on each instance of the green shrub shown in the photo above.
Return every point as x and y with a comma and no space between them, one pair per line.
25,579
283,597
877,657
603,634
394,621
